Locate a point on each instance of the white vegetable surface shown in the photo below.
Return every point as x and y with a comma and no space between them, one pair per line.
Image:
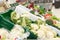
55,29
34,26
4,34
46,32
18,31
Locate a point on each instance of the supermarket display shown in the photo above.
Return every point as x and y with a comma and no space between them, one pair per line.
25,19
29,21
40,11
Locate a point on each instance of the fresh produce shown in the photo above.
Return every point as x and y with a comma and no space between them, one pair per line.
7,14
10,27
3,34
50,18
31,5
32,12
14,16
21,33
46,16
49,22
54,18
42,10
6,23
32,36
35,28
26,25
5,20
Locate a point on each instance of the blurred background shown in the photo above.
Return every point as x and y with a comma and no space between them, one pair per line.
48,4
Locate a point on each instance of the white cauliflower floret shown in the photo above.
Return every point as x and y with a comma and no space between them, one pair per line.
43,27
25,35
34,26
48,31
4,34
18,31
41,34
50,34
55,34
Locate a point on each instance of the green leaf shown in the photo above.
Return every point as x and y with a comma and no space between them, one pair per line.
32,36
32,12
5,19
7,14
55,18
49,22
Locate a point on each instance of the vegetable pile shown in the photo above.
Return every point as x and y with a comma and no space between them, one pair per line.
40,11
37,29
29,25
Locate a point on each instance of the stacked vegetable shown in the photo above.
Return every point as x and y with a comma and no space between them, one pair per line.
29,26
37,28
46,14
9,30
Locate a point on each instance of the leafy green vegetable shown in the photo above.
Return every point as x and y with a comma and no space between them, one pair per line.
42,10
54,18
6,20
32,12
7,14
32,35
49,22
6,23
